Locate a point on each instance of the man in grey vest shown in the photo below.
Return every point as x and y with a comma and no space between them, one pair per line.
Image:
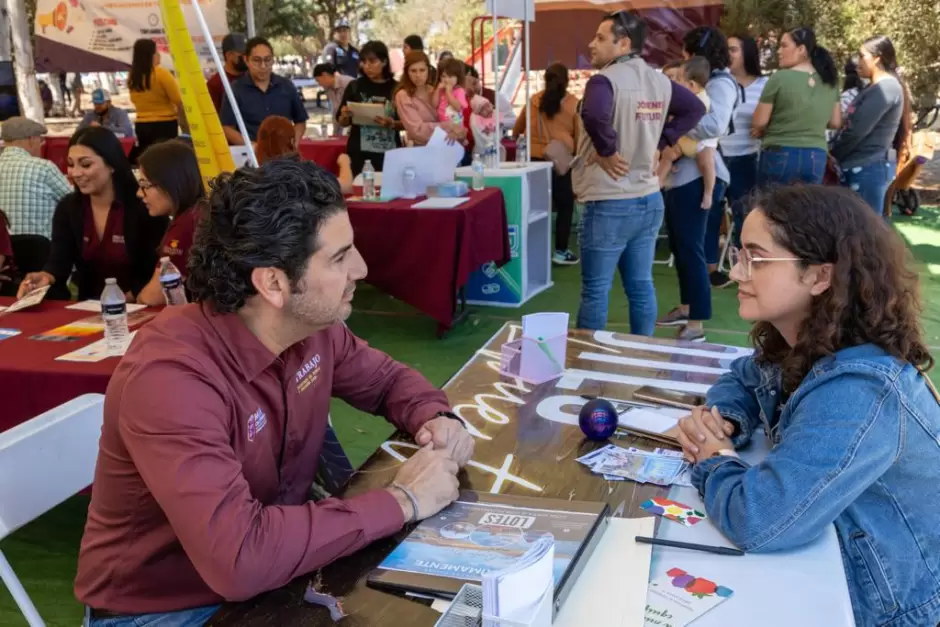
629,113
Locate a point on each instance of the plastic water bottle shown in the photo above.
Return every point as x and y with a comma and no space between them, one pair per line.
521,156
408,183
368,181
114,314
172,283
324,130
490,157
479,181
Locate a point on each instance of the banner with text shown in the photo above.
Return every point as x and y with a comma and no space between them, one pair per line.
99,35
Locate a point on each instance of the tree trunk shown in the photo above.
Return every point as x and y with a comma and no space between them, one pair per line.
6,52
26,85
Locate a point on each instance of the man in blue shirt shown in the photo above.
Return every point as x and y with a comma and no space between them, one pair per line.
260,93
105,114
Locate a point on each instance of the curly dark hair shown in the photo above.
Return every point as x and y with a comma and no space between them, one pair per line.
874,295
708,42
267,217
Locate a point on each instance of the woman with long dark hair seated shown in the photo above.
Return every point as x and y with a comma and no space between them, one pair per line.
101,229
799,102
839,383
877,125
171,186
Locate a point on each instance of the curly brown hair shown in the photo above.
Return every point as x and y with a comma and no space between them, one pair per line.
874,296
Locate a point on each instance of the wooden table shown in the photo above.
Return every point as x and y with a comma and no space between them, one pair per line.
527,443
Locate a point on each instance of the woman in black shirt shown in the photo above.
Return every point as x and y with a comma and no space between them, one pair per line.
374,85
102,229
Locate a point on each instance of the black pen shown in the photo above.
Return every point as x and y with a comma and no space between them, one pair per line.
720,550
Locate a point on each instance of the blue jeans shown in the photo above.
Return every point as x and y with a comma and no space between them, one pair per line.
620,234
686,223
195,617
743,172
715,216
871,182
781,165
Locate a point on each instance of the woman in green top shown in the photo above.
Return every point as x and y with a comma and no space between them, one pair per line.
797,105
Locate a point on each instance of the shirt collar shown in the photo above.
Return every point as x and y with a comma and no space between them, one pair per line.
275,82
15,151
623,59
246,349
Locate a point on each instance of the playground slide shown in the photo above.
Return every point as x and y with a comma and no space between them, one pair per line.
510,78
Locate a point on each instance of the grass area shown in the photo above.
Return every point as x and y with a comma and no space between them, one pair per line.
44,553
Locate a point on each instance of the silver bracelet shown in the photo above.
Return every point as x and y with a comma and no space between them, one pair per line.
411,498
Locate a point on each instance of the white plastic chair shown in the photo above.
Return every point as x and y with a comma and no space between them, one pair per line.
43,462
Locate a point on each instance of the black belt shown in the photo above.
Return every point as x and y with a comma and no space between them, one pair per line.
105,613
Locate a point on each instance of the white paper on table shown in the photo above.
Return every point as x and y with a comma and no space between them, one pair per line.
95,306
32,298
364,113
440,605
611,590
649,420
546,325
454,151
96,351
440,203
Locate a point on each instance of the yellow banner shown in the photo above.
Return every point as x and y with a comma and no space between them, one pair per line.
209,141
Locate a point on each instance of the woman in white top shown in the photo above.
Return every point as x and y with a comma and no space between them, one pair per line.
740,150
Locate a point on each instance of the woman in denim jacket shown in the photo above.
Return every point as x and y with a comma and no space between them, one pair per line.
837,382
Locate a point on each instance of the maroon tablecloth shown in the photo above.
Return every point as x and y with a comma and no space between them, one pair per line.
56,150
423,256
323,152
31,380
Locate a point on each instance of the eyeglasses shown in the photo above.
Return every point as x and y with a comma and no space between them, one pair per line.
145,186
747,261
262,61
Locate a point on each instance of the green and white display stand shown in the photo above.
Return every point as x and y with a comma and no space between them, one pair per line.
527,190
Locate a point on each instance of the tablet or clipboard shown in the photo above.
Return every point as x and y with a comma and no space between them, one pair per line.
365,113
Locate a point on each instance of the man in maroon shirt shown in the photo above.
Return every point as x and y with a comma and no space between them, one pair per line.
233,54
215,418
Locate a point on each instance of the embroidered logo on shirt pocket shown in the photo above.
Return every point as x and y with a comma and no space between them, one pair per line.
876,585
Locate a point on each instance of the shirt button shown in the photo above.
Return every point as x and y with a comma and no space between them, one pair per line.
773,392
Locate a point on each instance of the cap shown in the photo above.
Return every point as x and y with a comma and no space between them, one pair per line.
100,96
17,128
341,23
233,42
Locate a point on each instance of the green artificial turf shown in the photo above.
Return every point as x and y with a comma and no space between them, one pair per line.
44,553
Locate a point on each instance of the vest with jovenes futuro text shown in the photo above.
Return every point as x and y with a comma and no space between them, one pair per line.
641,100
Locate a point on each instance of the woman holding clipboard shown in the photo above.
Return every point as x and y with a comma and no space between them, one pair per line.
375,85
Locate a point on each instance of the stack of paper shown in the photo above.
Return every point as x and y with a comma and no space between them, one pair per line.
29,300
611,591
662,467
515,593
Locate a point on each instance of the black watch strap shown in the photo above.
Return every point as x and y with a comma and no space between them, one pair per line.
452,416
